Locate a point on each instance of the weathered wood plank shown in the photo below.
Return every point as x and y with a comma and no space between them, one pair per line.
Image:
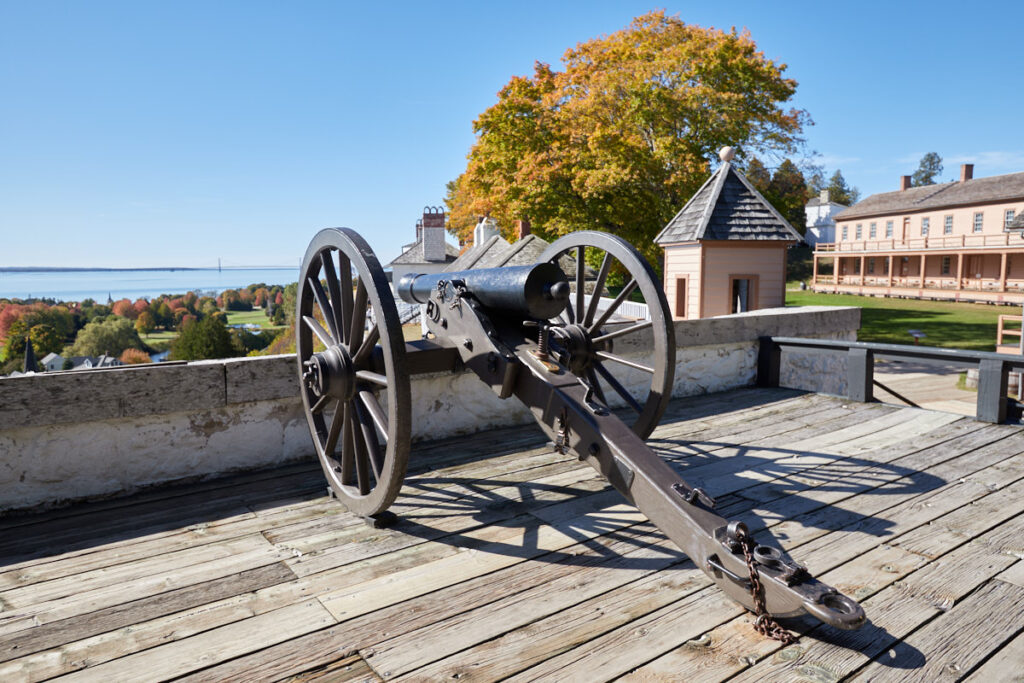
621,650
348,670
622,588
522,544
952,644
137,611
1006,665
13,620
894,612
196,652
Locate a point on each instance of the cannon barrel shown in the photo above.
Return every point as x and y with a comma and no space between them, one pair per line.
540,291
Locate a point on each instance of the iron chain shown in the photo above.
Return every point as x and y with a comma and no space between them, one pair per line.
765,623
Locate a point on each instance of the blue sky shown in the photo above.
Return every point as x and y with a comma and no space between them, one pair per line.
171,134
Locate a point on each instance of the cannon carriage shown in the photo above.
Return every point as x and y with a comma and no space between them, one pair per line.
546,335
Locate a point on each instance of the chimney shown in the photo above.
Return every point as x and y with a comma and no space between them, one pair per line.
419,230
823,197
433,234
522,228
966,172
485,230
904,183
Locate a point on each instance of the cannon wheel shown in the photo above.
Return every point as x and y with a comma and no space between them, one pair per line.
352,371
582,326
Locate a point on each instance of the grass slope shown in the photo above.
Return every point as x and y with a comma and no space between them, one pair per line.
946,324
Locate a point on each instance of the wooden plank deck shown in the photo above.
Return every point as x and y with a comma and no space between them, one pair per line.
513,562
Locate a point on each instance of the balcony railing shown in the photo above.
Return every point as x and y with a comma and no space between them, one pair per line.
930,282
919,243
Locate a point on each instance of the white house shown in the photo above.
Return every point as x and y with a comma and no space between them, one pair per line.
821,226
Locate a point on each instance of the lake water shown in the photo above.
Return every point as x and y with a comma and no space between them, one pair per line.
77,285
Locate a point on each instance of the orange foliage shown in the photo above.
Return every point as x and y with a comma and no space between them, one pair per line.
135,357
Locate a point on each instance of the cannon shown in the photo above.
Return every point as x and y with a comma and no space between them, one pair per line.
545,334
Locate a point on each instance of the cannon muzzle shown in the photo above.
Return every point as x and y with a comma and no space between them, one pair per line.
540,291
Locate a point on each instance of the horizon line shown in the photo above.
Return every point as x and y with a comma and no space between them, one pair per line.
29,269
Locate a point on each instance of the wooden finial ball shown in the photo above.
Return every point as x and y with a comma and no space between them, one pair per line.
727,154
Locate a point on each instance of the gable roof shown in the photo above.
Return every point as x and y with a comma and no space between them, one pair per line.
727,207
414,254
975,191
472,256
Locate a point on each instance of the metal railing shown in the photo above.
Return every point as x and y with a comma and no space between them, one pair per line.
993,368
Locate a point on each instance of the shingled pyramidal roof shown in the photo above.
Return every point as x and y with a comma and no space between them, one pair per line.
727,207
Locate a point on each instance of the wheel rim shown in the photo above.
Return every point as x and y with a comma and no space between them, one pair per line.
352,371
586,343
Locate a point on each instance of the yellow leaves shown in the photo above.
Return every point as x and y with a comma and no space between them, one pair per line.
622,136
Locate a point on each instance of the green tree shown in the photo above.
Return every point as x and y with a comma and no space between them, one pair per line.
841,193
788,194
815,182
622,138
927,171
207,338
112,335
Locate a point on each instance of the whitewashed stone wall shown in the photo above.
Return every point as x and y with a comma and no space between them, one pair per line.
87,434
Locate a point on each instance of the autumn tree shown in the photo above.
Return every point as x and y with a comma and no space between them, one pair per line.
145,323
622,137
45,340
124,309
927,171
111,336
758,175
134,357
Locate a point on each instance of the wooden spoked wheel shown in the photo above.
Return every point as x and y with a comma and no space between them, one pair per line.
352,370
596,319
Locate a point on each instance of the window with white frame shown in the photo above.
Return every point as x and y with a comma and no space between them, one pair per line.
925,223
857,232
871,265
979,221
947,226
1010,213
872,230
844,232
888,228
945,265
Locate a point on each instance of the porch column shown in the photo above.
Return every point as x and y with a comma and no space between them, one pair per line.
959,272
862,271
892,267
814,276
921,284
1002,272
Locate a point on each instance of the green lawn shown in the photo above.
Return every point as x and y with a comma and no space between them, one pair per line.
946,324
161,336
255,317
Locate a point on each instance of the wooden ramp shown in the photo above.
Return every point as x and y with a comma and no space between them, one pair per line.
513,562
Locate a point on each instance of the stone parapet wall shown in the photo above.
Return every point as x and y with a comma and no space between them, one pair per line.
85,434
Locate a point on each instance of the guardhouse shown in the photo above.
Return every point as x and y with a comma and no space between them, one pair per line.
725,251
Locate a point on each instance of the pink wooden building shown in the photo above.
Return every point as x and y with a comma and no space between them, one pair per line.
945,241
725,251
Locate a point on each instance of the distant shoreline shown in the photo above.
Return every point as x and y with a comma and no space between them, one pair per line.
58,269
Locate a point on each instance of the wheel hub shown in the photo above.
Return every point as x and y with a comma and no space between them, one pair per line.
578,348
330,373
